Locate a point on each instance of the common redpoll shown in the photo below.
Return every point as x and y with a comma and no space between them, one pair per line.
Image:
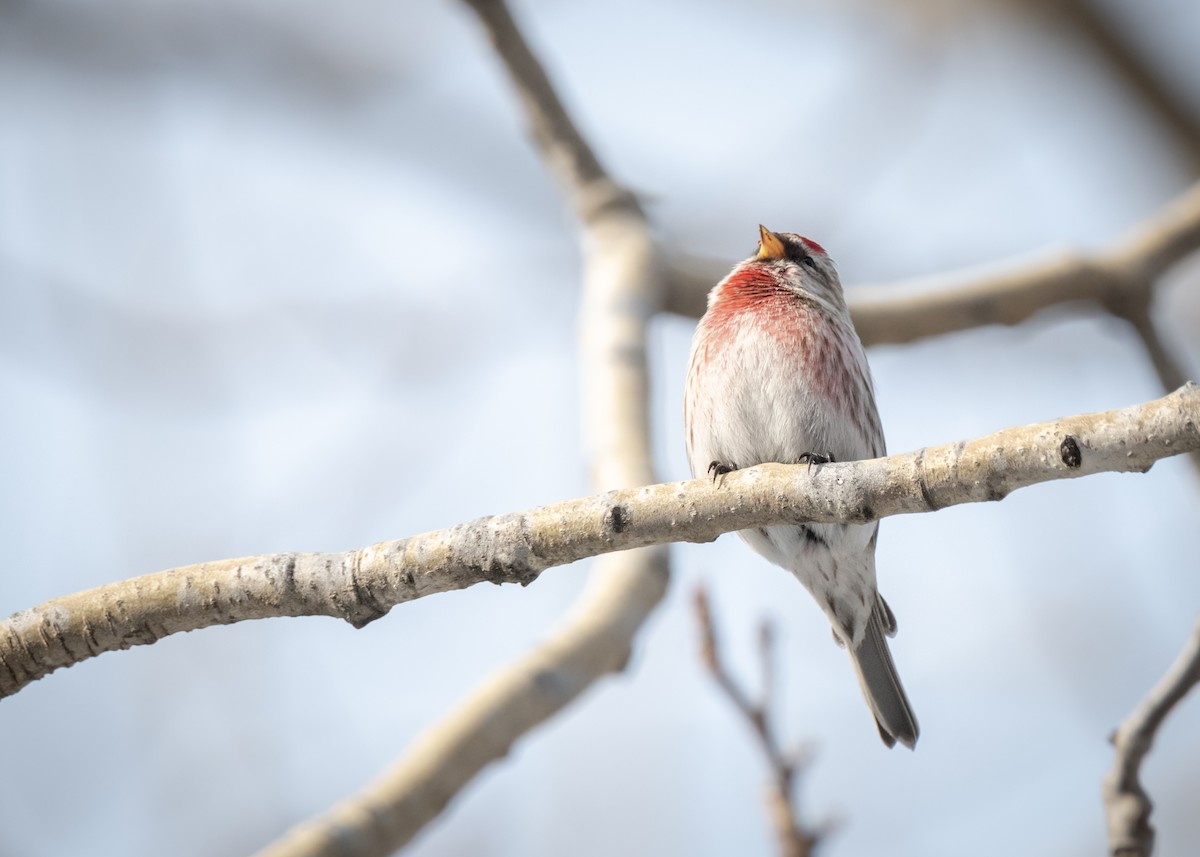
778,374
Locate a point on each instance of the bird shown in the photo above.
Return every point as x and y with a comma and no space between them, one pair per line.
777,373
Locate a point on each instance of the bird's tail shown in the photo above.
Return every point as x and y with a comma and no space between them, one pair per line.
880,684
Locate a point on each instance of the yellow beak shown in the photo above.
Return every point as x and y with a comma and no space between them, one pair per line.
770,245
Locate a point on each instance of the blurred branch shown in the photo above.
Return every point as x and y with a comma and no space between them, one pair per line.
362,585
1114,45
1121,281
794,839
622,288
907,311
1166,363
1127,806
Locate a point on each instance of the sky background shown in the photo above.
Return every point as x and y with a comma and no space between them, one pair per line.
288,276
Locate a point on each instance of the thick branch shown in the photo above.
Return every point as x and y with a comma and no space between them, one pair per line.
907,311
1127,806
362,585
622,288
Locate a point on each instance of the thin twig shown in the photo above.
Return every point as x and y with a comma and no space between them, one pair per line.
794,838
1127,806
766,655
1113,44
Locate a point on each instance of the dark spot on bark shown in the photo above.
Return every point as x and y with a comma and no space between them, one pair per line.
867,513
1070,453
410,579
289,573
994,484
495,572
617,519
550,683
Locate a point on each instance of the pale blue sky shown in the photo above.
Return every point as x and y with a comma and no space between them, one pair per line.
280,276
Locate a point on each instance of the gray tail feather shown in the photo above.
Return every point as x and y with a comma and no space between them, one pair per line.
881,686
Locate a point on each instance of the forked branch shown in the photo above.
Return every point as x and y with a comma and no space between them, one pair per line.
1126,804
795,839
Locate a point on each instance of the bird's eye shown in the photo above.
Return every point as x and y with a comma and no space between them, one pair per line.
799,255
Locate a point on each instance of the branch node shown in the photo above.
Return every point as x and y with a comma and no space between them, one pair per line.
1127,806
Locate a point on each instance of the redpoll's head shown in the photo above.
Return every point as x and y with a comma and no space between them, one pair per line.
795,263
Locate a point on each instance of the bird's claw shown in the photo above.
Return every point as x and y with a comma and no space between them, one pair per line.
811,458
720,471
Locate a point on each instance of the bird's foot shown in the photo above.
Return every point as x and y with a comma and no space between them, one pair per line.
811,458
720,471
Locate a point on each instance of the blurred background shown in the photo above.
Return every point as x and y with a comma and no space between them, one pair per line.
288,276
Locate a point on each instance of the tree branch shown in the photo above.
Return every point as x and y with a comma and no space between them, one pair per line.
363,584
906,311
1126,804
1167,365
795,839
622,288
564,151
1112,41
